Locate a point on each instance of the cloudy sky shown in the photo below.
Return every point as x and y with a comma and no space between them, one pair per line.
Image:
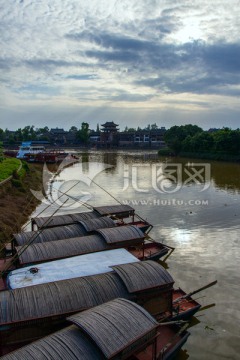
133,62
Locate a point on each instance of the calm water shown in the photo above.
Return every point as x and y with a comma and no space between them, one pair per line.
196,209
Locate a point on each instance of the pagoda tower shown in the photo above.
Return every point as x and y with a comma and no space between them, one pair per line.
109,134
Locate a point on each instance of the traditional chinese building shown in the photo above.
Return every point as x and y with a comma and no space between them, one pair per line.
109,134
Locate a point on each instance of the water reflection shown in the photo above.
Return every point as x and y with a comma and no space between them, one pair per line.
225,176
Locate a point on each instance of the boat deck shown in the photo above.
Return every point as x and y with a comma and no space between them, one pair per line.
167,340
186,307
150,249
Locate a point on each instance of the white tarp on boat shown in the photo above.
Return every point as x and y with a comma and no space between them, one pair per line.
77,266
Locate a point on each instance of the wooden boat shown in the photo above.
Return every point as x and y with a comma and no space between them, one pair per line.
128,237
28,318
51,156
24,316
121,214
37,248
186,307
119,329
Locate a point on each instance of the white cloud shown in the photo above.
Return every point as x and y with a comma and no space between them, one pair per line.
118,57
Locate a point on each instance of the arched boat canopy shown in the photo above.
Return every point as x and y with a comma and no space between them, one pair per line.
104,239
59,249
103,332
143,275
59,298
45,235
127,232
66,344
115,211
58,220
117,326
94,224
74,295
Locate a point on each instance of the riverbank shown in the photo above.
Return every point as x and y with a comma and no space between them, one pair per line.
16,200
202,155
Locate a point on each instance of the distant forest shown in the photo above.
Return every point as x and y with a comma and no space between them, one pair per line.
217,144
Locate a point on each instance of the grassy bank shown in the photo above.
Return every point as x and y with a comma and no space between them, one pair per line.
8,166
16,200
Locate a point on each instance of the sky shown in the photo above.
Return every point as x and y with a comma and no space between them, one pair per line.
134,62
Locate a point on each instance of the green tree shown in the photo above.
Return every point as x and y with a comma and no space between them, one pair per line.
43,133
227,141
73,129
1,134
18,135
200,142
154,126
176,135
83,133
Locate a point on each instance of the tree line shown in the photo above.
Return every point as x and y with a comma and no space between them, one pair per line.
193,139
43,134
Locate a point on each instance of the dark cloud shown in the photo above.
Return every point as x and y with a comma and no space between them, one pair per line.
82,77
203,68
223,57
118,42
6,64
125,96
48,63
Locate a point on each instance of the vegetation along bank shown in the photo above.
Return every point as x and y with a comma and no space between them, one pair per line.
16,200
192,141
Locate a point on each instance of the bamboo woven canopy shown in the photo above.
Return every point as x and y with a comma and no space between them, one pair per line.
116,325
103,239
100,333
67,219
67,344
56,233
143,275
114,235
63,232
59,298
73,295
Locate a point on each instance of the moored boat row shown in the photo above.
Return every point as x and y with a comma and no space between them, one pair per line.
110,251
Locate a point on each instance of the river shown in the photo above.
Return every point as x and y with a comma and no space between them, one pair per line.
194,206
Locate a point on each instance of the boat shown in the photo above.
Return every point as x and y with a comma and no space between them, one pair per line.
68,268
121,214
50,157
48,245
24,316
118,329
27,147
31,151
